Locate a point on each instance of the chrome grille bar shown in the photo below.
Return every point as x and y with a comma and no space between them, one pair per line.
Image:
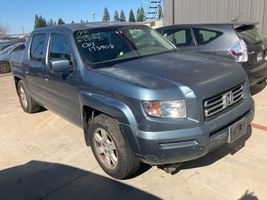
220,102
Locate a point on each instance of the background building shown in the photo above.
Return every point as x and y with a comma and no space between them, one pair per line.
218,11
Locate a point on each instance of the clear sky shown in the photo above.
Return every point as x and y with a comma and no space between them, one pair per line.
19,14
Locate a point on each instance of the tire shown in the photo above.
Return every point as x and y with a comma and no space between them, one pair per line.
4,68
27,103
110,148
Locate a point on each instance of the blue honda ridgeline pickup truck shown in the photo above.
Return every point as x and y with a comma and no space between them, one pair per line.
136,98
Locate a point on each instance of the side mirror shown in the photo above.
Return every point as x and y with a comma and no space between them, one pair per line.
62,65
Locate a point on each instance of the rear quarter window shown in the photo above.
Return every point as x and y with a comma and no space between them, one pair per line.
205,36
181,37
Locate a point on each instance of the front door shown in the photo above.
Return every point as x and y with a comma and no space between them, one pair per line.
62,87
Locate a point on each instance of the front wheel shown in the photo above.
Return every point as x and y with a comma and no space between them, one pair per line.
110,148
26,101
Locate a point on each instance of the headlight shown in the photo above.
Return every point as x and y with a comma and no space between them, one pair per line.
166,109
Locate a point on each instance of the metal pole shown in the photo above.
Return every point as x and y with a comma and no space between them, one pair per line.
173,16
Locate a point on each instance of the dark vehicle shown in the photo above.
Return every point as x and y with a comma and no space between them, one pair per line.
5,56
242,42
16,55
135,97
3,45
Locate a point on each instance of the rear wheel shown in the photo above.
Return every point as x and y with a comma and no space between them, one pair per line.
27,103
5,68
110,148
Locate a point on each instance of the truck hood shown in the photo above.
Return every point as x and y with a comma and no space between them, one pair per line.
204,75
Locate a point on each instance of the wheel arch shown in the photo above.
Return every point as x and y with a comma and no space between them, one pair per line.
16,79
94,104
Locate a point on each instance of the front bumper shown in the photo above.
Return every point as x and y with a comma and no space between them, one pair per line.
183,145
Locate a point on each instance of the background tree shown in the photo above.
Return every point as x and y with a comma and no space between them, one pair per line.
116,16
72,22
3,29
43,22
122,16
137,14
50,23
106,16
60,21
131,16
39,22
140,17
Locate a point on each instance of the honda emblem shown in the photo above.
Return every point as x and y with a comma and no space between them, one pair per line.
228,99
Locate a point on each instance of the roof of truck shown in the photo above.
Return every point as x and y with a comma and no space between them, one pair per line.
79,26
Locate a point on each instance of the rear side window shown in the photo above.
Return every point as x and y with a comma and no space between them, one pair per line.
250,34
179,37
37,47
204,36
59,47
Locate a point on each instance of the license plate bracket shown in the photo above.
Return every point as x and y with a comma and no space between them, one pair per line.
237,130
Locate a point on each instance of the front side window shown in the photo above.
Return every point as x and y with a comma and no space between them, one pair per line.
103,45
59,47
179,37
37,47
204,36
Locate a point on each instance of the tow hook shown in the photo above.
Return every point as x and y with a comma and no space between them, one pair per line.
170,168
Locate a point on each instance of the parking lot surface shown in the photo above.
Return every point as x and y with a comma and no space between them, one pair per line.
43,156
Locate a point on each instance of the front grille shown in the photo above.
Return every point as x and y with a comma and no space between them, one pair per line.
222,101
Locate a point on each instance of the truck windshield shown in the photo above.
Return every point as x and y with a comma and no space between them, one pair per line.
104,45
251,34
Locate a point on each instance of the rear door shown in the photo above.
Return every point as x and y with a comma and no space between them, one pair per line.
181,37
34,66
256,44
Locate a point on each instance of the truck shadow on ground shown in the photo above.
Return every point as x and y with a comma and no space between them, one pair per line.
218,153
43,180
249,196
